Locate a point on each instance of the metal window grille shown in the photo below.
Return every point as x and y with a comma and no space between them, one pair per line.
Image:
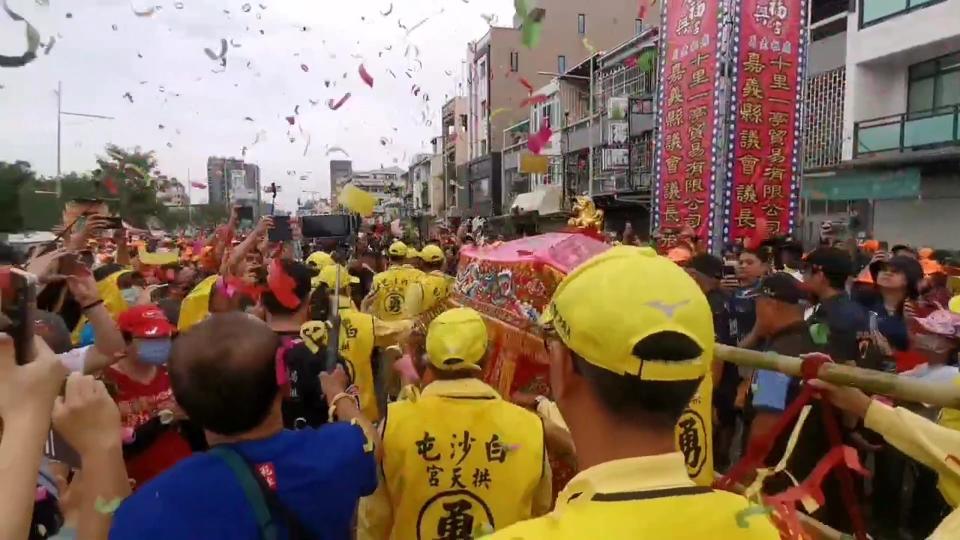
823,119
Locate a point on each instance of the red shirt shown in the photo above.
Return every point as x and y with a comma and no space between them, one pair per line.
139,403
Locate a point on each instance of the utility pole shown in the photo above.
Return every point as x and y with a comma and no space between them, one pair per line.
60,114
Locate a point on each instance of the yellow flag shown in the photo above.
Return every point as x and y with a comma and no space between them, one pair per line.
357,200
196,306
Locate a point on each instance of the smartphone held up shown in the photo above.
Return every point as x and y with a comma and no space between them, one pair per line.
18,294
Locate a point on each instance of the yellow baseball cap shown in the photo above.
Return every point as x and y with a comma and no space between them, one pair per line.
319,259
432,253
397,249
618,298
328,275
412,253
954,304
457,339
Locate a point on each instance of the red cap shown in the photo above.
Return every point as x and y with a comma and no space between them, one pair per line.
145,322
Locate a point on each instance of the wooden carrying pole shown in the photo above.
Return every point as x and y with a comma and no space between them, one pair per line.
870,381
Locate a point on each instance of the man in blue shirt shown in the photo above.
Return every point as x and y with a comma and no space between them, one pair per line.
223,375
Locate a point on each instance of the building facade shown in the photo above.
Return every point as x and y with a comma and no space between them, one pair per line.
500,68
891,158
340,170
453,138
387,185
230,181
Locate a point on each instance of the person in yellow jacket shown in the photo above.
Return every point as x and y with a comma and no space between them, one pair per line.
360,334
458,461
625,362
935,446
387,295
433,288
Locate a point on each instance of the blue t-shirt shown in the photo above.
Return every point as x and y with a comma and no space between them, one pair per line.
318,474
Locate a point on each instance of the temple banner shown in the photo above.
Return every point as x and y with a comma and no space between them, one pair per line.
687,117
763,177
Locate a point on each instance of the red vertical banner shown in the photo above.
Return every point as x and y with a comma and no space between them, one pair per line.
762,184
687,118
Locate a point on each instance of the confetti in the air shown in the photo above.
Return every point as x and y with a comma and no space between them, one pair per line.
304,67
147,12
106,507
388,11
540,139
248,119
128,96
246,8
526,84
366,76
418,25
589,46
223,52
33,43
334,149
534,100
291,120
531,27
334,105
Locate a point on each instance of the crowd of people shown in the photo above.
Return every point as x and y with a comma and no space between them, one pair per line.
227,386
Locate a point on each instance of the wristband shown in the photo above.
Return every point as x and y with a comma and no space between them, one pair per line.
91,306
331,412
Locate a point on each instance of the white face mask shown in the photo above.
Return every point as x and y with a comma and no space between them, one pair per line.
131,295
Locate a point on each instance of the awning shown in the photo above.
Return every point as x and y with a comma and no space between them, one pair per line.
864,185
544,201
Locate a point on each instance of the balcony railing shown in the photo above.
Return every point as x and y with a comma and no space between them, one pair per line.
908,131
876,11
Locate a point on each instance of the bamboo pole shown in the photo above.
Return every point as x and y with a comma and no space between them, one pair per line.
870,381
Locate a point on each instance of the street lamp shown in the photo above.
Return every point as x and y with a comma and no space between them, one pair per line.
61,113
589,121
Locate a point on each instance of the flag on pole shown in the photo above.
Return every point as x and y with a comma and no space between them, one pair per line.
198,185
357,200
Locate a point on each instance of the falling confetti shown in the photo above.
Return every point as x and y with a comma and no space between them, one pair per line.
366,76
314,102
540,139
33,43
129,97
388,11
418,25
334,105
306,148
526,84
291,120
248,119
178,5
304,68
246,8
49,46
534,100
234,43
589,46
385,141
106,507
223,51
148,12
114,27
530,25
491,18
296,110
333,149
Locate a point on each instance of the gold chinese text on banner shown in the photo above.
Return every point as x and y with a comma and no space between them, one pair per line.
762,185
687,117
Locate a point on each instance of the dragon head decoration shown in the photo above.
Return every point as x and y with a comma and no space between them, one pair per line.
586,215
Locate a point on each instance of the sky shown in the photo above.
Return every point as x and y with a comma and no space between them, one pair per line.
281,54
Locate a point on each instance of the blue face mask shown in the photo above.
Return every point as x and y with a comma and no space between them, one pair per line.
153,351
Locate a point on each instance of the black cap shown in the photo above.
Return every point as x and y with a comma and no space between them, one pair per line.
782,287
906,265
707,265
833,261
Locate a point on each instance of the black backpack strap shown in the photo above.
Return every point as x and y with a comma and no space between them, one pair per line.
262,499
